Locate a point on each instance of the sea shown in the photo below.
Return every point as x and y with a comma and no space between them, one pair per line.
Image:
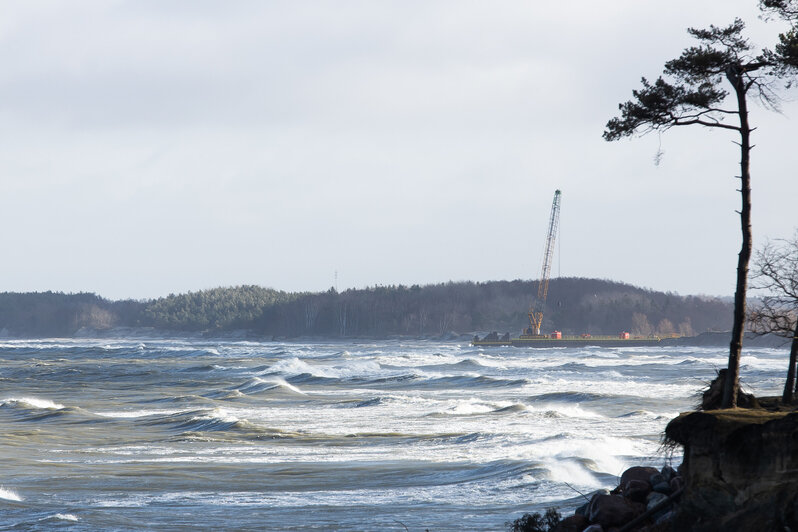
197,434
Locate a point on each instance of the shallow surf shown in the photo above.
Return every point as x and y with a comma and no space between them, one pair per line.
170,433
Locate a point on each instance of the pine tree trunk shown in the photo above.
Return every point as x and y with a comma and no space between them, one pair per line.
790,386
732,385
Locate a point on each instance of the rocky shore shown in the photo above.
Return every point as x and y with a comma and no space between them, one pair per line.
645,499
738,475
739,468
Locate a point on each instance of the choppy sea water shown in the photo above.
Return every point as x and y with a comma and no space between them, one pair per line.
167,434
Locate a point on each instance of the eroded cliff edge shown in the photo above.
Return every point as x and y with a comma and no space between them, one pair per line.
740,468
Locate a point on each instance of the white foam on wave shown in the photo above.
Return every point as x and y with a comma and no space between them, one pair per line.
358,368
472,406
66,517
32,402
763,363
599,361
279,383
126,503
418,359
621,387
648,415
9,495
352,368
295,366
567,410
573,473
137,413
218,414
564,457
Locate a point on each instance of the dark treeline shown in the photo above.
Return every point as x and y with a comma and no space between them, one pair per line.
575,306
58,314
220,309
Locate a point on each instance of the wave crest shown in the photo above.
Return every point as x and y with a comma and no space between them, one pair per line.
31,403
9,495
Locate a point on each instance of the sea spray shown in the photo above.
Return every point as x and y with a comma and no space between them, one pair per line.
9,495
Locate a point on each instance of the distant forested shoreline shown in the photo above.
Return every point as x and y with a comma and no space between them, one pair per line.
575,306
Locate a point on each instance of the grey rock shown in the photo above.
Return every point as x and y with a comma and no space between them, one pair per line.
638,473
612,510
636,490
654,498
668,473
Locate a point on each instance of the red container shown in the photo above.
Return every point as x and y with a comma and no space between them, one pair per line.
624,336
556,335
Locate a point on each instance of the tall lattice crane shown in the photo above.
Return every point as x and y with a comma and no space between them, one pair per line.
536,310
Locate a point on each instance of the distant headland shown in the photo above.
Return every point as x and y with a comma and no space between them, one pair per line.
575,306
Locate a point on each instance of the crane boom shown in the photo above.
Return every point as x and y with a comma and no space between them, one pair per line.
536,311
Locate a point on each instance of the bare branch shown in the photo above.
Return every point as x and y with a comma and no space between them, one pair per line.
706,124
776,273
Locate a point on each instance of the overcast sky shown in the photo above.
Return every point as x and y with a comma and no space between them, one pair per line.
149,147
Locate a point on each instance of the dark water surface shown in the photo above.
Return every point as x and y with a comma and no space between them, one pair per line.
178,434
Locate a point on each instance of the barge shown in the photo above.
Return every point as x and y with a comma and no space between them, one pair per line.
556,339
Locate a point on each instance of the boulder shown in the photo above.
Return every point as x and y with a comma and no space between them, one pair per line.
638,473
636,490
594,528
668,472
582,510
574,523
654,498
612,510
660,483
